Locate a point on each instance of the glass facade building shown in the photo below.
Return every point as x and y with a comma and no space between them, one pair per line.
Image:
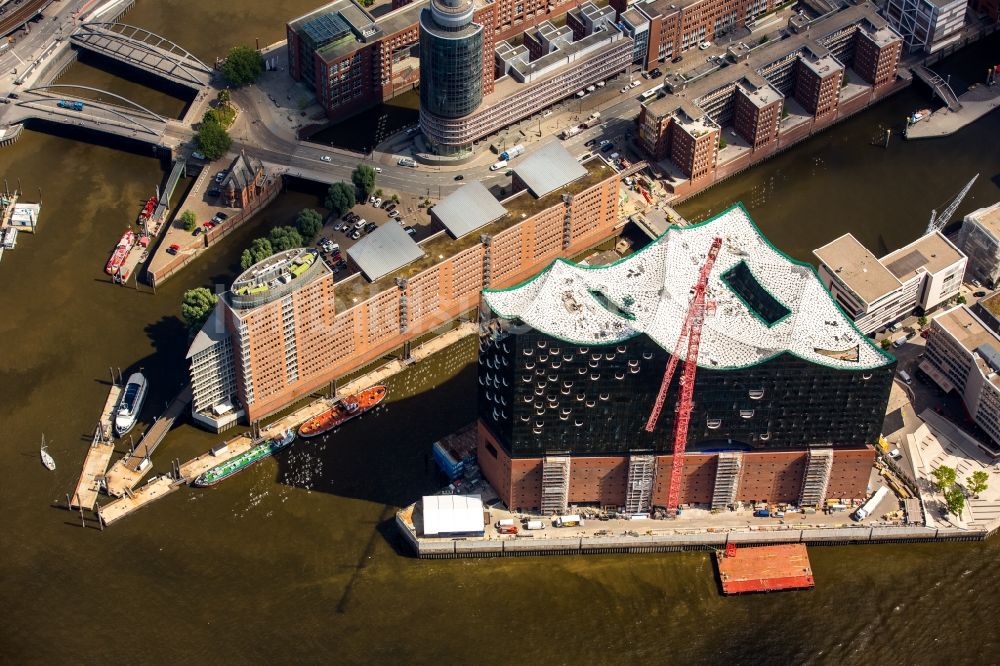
540,395
451,59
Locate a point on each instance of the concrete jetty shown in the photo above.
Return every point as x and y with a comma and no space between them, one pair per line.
976,102
107,414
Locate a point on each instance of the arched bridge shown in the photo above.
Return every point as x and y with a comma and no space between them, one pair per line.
144,50
90,108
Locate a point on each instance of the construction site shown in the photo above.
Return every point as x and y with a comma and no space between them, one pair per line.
705,392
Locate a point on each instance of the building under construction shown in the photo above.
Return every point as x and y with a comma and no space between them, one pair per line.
787,399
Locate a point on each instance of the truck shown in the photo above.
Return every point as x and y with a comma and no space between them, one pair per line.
534,525
570,132
506,522
513,152
762,513
66,104
499,165
572,520
507,529
594,117
868,507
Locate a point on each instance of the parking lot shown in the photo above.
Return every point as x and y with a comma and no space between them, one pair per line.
340,234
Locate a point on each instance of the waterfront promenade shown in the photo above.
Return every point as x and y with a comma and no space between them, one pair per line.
976,103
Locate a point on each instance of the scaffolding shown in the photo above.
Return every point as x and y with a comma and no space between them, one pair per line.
729,464
819,463
639,494
555,484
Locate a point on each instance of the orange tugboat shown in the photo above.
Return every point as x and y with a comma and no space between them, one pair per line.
342,411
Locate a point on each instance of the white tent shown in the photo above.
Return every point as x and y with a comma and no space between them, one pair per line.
453,515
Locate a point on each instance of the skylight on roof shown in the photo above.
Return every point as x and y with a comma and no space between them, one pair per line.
741,280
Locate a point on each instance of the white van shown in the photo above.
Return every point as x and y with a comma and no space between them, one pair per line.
506,522
901,341
534,525
905,376
502,164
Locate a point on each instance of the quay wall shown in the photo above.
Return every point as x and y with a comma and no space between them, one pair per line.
690,541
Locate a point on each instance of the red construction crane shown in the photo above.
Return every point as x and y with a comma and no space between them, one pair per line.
691,330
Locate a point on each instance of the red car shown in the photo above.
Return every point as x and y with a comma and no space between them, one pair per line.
208,225
173,248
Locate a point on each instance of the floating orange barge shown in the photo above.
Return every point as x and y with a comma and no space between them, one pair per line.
764,568
342,411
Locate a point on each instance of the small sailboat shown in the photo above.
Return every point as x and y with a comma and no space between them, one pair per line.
47,459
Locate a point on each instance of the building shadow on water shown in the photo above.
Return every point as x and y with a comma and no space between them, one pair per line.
384,456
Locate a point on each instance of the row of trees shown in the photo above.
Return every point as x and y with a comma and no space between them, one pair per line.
307,226
945,480
213,137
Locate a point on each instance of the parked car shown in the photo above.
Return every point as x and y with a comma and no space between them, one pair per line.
677,59
197,231
394,213
221,176
339,225
607,147
370,227
174,247
635,84
371,198
459,177
208,225
214,192
705,45
220,217
377,203
356,234
388,204
590,144
378,169
198,155
326,158
625,89
410,230
656,73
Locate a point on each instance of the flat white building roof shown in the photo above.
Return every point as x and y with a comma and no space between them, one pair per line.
765,303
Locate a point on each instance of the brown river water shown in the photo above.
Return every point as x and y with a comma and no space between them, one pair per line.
296,560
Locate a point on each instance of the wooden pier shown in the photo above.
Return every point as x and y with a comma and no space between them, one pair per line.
127,472
157,487
94,466
108,413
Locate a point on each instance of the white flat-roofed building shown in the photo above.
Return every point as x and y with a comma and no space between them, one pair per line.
979,239
877,292
964,355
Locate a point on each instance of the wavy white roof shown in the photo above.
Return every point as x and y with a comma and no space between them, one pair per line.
654,286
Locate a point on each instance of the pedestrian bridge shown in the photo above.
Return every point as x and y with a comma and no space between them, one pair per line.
143,50
101,111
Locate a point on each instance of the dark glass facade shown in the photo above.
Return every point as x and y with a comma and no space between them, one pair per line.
451,68
541,395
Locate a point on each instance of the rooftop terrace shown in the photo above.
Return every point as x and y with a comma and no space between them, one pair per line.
276,276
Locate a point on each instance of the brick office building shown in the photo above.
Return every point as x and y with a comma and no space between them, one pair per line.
297,335
806,71
788,397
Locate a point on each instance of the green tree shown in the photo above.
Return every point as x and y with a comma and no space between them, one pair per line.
340,198
196,306
189,220
259,250
243,66
921,321
944,478
213,140
395,198
977,482
885,343
961,299
378,192
363,178
955,499
309,222
722,143
225,97
285,238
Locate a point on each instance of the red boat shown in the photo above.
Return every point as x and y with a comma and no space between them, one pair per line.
147,210
121,251
342,411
